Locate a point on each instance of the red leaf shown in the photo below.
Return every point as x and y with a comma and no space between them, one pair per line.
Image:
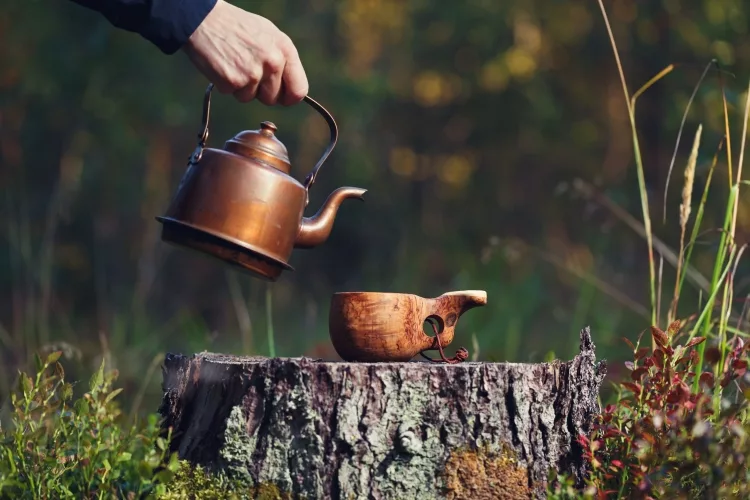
635,388
648,437
638,373
674,327
629,343
673,396
659,357
694,357
707,379
684,359
695,342
641,352
610,433
659,336
712,354
684,391
740,366
617,463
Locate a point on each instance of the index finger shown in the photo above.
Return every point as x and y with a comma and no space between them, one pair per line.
294,79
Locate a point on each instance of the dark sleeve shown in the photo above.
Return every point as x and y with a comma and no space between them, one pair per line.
166,23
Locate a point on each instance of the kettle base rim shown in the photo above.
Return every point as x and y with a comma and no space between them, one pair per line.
220,246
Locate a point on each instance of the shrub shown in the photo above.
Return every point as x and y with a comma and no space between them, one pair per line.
673,433
57,448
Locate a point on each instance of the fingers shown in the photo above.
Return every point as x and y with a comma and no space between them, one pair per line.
270,87
295,81
248,56
282,81
248,92
295,86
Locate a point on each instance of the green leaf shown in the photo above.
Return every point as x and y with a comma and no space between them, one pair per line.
174,462
67,391
164,476
112,395
81,406
53,357
144,469
125,456
161,443
11,461
97,380
26,384
38,362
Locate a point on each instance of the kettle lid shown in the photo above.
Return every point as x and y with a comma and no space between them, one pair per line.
261,144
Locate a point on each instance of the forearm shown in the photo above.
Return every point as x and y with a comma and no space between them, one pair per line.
167,24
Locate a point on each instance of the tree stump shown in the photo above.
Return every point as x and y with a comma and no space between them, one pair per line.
306,428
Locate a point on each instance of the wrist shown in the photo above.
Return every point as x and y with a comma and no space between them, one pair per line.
173,22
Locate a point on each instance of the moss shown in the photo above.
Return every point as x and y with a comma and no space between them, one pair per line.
196,483
268,491
481,474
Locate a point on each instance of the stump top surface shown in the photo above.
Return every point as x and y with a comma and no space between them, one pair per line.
231,359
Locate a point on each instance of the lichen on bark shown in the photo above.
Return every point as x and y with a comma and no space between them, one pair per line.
317,429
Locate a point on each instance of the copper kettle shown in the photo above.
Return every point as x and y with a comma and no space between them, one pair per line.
241,205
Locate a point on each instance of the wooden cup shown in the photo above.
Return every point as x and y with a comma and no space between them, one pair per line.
382,327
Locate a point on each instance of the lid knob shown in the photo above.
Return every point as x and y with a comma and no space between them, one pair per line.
268,127
261,145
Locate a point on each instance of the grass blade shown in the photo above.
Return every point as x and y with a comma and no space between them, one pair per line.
639,167
269,322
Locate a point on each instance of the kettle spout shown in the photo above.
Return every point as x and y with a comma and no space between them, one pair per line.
315,230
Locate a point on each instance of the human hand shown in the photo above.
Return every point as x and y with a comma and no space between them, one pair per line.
247,55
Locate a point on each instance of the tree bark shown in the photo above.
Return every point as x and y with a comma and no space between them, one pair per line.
311,429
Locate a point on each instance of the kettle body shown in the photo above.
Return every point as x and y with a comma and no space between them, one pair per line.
241,205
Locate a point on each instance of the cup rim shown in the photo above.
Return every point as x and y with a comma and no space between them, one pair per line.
355,293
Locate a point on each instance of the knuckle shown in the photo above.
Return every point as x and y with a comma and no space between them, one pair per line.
275,62
298,94
253,75
235,81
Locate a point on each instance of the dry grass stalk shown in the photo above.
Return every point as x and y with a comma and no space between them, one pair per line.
685,208
687,188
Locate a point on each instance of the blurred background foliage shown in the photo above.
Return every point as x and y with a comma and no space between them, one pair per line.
493,139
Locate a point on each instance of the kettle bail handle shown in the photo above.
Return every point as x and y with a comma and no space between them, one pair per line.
310,179
203,135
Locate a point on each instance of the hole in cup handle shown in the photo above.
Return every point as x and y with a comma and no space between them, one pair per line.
436,324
